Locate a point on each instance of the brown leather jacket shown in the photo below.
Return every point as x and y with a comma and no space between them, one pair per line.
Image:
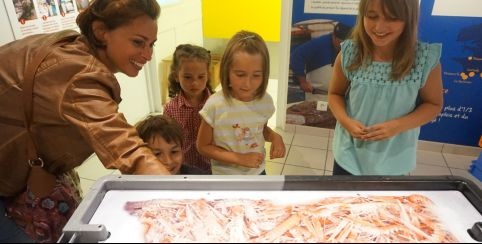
75,112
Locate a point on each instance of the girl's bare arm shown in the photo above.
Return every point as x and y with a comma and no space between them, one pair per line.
277,149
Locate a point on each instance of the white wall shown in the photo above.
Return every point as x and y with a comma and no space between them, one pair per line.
6,33
180,22
284,57
135,99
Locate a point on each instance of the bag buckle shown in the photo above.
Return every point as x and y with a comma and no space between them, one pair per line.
36,163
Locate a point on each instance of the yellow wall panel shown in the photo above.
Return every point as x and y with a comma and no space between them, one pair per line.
223,18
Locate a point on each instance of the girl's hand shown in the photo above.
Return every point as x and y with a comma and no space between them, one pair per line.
381,131
356,129
251,160
277,149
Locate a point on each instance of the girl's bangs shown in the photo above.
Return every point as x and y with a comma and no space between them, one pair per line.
395,9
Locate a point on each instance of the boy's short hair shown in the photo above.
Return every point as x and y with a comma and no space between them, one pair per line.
160,125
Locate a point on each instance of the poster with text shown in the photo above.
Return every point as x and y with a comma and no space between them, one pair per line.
455,24
28,17
458,26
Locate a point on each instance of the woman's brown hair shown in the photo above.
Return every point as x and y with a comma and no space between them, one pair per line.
404,55
183,52
114,13
251,43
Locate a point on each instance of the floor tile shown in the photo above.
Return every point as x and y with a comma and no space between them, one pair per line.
290,128
307,157
310,141
430,157
466,174
461,150
273,168
458,161
267,146
430,146
315,131
296,170
93,169
425,169
329,161
287,136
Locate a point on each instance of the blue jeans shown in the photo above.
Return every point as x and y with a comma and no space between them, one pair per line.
9,231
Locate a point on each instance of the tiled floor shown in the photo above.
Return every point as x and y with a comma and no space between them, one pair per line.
309,153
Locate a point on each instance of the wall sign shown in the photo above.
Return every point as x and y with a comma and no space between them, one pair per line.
28,17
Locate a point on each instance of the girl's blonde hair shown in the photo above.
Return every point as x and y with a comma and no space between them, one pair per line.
187,51
251,43
404,55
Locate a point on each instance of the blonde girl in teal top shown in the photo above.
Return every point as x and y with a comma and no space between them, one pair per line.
385,85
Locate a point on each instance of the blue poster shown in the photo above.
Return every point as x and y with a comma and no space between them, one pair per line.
460,121
457,26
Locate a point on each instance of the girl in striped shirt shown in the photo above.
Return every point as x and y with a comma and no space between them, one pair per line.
234,126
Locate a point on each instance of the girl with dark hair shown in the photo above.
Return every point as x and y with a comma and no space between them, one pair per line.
189,88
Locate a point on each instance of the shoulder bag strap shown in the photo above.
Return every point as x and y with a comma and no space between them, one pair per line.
28,84
29,76
40,181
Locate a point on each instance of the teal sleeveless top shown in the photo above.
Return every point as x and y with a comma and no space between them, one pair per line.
374,98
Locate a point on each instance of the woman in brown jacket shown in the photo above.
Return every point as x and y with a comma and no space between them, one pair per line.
75,97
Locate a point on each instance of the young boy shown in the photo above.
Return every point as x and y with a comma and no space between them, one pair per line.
164,137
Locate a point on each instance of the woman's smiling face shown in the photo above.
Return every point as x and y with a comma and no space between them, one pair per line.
129,47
